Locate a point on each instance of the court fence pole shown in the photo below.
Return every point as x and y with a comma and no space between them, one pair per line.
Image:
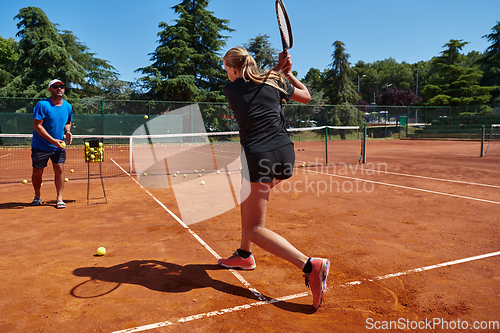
482,140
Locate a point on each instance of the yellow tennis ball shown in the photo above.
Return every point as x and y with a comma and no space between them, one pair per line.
72,170
101,251
25,181
63,144
146,116
202,182
66,179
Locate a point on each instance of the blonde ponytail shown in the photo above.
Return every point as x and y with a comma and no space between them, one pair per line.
239,58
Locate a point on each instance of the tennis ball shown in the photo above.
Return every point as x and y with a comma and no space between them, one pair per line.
218,171
25,181
202,182
202,170
196,171
66,179
146,116
101,251
185,175
199,175
72,170
145,174
63,144
228,173
303,163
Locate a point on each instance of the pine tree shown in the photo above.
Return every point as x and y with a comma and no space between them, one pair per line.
43,57
98,72
186,65
490,62
264,54
340,90
455,84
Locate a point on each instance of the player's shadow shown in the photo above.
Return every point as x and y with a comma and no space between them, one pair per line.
170,278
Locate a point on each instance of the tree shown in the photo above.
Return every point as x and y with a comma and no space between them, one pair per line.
339,88
454,83
399,97
97,71
44,53
260,48
186,65
43,57
490,62
9,54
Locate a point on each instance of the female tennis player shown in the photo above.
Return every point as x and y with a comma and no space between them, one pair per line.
255,99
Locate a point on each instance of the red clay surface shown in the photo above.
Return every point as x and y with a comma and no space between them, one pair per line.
428,205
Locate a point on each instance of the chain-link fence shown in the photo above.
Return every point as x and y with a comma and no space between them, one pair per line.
97,116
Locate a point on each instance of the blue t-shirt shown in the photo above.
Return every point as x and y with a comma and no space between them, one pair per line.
54,119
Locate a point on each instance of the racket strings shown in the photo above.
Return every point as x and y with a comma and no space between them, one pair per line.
283,24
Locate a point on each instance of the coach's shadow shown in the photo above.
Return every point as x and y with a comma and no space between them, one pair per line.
172,278
21,205
14,205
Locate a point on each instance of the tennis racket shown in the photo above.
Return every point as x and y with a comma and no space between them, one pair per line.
284,25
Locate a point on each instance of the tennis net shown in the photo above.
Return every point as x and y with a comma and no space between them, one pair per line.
493,147
186,153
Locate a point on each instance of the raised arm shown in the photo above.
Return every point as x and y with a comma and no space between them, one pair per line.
301,93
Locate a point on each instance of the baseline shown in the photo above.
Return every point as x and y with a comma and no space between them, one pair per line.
408,187
431,178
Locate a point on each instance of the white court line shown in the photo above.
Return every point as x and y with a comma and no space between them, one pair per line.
250,305
6,155
198,238
431,178
409,188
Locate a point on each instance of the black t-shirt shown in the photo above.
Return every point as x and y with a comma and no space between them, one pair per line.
257,109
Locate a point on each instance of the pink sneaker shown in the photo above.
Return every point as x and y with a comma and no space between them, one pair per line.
235,261
316,280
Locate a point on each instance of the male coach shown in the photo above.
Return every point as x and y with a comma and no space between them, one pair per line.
51,123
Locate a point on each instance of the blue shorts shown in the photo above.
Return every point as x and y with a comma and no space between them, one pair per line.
40,158
265,167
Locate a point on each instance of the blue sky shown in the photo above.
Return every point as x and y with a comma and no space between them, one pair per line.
124,32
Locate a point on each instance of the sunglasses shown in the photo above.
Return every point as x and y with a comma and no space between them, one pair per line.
56,86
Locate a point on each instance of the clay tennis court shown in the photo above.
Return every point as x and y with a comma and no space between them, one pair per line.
412,236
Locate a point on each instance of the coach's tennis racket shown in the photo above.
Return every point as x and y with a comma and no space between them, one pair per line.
284,25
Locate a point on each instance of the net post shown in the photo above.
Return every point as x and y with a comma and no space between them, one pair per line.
326,143
130,142
482,140
364,144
